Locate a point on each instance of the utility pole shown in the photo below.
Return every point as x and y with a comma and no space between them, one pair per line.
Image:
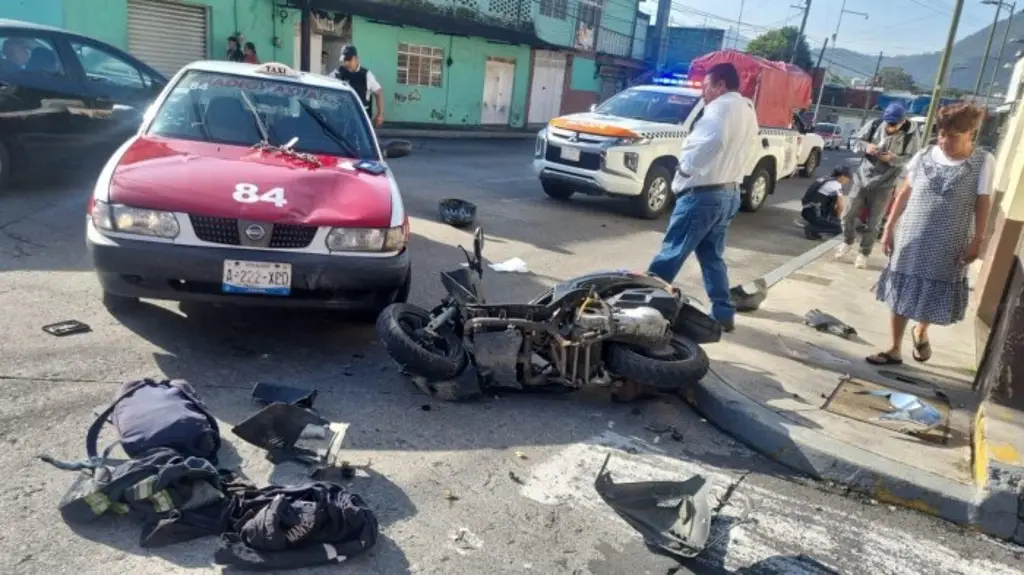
821,55
663,15
305,36
999,58
739,25
800,34
958,8
988,46
835,34
824,79
871,89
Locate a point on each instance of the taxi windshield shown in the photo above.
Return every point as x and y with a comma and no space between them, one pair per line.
649,106
245,111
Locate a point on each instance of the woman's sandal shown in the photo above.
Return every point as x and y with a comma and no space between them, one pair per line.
922,349
883,358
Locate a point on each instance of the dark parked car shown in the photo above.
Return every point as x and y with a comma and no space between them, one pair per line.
66,98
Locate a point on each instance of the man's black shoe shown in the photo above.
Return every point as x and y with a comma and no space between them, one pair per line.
728,326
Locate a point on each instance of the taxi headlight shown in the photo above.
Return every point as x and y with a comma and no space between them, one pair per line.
131,220
632,141
366,239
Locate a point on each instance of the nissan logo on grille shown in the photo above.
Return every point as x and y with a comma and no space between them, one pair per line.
255,232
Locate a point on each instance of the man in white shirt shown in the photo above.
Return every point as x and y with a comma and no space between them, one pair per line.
712,164
363,82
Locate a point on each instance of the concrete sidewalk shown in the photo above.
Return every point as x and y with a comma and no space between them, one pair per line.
809,400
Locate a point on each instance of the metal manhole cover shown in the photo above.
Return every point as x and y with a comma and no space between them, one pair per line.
926,418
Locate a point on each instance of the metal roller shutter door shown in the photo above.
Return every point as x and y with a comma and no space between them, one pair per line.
167,35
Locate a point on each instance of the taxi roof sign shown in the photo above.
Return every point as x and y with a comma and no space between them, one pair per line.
276,69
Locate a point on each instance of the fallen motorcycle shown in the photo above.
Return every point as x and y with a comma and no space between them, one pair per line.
603,328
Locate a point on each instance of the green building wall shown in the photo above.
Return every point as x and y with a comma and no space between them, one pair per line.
459,99
107,20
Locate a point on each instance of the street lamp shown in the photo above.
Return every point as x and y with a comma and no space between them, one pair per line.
821,91
999,58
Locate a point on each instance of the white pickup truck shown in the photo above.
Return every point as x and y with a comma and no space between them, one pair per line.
628,146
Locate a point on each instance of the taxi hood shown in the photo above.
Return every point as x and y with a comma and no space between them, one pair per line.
604,125
238,182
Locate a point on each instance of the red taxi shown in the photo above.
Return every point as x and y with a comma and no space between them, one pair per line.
252,184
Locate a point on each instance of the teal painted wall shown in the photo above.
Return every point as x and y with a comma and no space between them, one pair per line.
583,72
107,20
49,12
619,16
104,20
458,101
553,30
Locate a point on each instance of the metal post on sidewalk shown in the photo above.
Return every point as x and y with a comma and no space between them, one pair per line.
954,23
800,34
871,89
999,58
988,46
305,36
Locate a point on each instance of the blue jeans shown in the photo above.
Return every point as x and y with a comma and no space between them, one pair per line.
699,224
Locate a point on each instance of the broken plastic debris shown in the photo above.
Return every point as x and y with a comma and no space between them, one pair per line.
514,265
520,455
908,407
465,541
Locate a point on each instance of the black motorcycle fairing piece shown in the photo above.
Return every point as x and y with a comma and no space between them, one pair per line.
674,517
603,281
695,323
463,285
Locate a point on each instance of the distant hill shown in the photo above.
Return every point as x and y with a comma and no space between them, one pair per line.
967,53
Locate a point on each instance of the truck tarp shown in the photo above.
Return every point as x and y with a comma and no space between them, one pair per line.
776,88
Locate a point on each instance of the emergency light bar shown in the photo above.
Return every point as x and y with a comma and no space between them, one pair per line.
681,80
276,69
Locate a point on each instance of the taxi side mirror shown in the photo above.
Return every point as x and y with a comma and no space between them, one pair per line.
397,148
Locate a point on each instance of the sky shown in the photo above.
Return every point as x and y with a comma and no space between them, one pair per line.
921,25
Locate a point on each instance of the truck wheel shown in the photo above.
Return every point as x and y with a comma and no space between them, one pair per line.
556,190
759,186
812,163
656,197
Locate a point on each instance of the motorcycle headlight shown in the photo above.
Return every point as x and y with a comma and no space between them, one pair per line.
132,220
366,239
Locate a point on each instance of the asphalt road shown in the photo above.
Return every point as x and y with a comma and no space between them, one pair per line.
521,467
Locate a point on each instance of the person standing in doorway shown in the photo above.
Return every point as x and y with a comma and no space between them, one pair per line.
363,82
234,52
325,68
711,165
250,56
888,143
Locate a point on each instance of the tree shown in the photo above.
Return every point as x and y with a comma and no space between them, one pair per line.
836,79
778,44
892,78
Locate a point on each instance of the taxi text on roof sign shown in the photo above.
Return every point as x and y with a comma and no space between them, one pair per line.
276,69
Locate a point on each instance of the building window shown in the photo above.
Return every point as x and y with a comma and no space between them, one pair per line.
420,65
554,8
590,13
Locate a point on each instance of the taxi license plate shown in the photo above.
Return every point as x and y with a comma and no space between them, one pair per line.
571,154
264,278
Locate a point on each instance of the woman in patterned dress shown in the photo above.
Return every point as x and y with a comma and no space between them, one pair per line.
935,230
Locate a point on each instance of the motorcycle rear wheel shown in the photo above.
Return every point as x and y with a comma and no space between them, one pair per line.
685,364
441,359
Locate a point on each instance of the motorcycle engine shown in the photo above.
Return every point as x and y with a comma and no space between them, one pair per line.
643,326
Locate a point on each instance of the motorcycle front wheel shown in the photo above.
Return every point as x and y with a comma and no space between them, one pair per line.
683,362
437,358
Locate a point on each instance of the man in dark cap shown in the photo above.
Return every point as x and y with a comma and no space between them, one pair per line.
887,143
363,82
